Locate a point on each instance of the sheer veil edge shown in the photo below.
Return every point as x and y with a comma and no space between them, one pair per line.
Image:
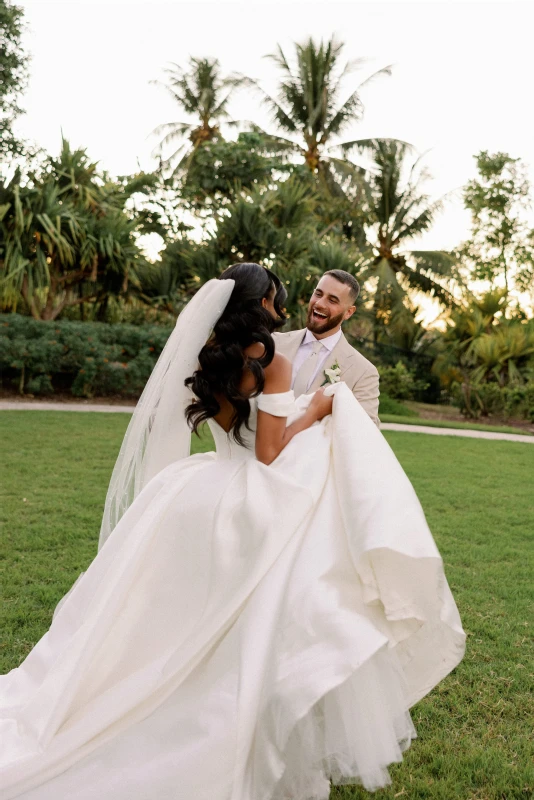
158,433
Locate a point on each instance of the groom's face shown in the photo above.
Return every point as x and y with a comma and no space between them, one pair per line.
330,304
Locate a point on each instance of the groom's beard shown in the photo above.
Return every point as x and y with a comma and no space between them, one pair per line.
322,326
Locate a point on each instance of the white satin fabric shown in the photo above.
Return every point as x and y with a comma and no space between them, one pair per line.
247,632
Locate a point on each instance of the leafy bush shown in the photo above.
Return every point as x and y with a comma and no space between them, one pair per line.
485,399
81,358
519,401
390,406
399,383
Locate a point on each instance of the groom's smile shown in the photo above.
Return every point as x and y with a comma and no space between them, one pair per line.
318,315
322,322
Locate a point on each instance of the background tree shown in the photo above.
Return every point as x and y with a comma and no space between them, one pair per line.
66,236
307,106
13,73
203,93
222,169
276,225
501,244
399,211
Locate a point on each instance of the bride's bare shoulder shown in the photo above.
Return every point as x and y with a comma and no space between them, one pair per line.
279,363
254,350
278,374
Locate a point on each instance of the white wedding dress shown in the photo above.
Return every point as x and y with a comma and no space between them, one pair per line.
247,632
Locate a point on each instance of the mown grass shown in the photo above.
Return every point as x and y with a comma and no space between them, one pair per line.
474,728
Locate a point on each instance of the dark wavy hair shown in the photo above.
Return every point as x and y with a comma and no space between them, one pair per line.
222,359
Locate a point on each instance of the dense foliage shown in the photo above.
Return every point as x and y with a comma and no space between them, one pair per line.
67,236
13,74
79,358
89,359
486,359
501,244
301,200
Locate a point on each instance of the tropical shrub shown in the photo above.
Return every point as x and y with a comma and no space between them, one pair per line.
69,235
80,358
490,399
485,359
399,383
520,401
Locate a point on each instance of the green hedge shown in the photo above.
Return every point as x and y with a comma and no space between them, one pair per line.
96,358
486,399
80,358
89,358
399,383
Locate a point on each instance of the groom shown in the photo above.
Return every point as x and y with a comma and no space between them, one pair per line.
322,345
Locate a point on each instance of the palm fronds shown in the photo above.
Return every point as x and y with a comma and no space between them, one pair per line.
202,92
308,104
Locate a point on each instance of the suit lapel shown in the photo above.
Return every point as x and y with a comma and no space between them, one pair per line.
290,344
337,355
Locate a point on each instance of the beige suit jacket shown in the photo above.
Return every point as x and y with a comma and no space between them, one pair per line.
358,373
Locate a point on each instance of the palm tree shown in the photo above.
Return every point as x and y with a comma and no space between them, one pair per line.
399,211
65,237
38,240
204,94
307,106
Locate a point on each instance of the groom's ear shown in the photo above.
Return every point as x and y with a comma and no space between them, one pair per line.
349,312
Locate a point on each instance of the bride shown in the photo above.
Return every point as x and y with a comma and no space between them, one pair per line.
257,621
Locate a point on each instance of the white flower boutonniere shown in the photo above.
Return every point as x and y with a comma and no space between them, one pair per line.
332,375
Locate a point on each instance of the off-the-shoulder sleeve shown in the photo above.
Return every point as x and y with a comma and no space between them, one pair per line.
281,404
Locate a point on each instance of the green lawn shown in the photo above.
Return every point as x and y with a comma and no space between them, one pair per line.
473,728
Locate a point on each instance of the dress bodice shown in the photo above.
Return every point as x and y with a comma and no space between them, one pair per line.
281,404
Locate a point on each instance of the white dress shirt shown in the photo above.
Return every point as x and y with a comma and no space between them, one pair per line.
329,342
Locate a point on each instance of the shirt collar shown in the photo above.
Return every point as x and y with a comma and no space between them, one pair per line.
329,341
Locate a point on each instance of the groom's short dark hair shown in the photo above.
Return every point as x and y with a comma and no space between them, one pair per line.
348,279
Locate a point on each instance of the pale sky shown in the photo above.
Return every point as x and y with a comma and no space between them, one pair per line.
462,76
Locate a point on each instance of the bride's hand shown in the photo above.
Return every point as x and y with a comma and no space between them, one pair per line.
320,405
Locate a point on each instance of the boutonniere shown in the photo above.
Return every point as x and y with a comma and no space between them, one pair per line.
332,375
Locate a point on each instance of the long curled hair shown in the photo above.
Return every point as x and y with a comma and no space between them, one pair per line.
222,360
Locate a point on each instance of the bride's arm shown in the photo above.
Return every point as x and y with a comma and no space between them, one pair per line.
272,435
